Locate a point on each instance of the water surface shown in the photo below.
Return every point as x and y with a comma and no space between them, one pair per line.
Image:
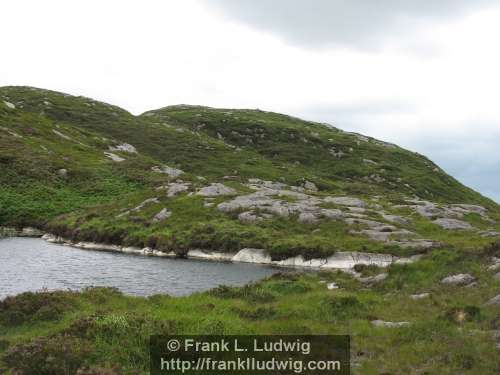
28,264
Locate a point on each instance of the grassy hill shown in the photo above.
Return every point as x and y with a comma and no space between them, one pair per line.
185,177
65,169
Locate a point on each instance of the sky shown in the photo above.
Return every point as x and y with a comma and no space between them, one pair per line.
424,74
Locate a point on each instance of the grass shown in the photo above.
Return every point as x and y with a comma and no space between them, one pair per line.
95,322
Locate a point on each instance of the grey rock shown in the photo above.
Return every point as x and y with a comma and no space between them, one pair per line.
248,217
419,296
307,218
332,286
396,219
345,201
458,280
308,185
215,190
176,188
494,301
62,172
373,279
114,157
124,147
162,215
381,323
9,105
451,224
172,172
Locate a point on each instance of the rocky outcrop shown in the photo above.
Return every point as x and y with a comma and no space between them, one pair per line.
345,201
215,190
461,279
453,224
419,296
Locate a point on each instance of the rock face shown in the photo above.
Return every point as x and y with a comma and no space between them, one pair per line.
9,105
215,190
164,169
453,224
458,280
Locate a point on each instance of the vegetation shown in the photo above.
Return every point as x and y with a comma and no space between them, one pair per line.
56,176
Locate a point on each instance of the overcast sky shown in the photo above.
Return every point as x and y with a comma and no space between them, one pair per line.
420,73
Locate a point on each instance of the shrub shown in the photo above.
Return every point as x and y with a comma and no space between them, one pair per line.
58,355
30,306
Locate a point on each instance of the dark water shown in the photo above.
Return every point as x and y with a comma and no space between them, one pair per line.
28,264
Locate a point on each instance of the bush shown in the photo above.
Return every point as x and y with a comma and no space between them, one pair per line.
58,355
30,306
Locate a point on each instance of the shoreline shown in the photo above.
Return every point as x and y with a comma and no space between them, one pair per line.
342,260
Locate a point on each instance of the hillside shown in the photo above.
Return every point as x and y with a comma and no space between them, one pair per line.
185,177
189,178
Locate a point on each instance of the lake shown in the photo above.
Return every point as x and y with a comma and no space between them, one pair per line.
32,264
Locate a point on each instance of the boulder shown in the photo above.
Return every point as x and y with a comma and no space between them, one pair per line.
308,185
396,219
332,286
62,172
248,255
459,279
9,105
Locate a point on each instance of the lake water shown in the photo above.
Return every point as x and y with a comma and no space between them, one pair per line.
28,264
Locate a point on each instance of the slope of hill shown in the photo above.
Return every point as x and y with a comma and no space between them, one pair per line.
187,177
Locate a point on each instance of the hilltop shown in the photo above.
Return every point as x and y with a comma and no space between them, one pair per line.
185,177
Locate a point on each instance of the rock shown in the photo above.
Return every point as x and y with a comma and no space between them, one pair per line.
345,201
331,213
139,207
114,157
61,135
494,301
248,217
458,280
373,279
396,219
30,232
331,286
471,208
307,218
487,234
308,185
381,323
497,276
172,172
162,215
450,224
368,161
62,172
124,147
177,188
419,296
9,105
248,255
215,190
